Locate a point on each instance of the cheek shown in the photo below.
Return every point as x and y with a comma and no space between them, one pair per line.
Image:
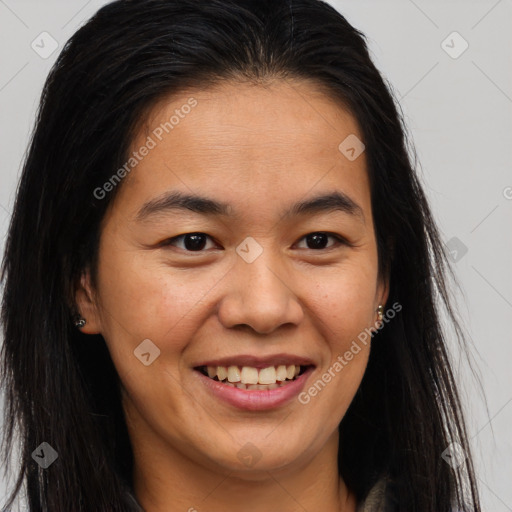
342,309
143,298
344,302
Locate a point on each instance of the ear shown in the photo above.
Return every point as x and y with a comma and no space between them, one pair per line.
87,305
382,294
382,290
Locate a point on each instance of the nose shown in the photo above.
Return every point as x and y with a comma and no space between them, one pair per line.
260,295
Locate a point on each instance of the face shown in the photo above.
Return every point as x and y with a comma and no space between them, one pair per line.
272,266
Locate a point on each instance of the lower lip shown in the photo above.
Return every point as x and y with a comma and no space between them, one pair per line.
255,399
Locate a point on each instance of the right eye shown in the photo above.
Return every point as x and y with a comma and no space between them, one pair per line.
193,242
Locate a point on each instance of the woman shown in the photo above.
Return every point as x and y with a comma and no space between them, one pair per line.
176,336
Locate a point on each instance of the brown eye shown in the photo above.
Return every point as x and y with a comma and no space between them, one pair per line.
193,242
318,240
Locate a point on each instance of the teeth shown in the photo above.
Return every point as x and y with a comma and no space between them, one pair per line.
249,377
233,374
267,375
222,372
281,373
260,387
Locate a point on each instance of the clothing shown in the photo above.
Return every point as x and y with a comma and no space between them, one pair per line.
382,498
377,499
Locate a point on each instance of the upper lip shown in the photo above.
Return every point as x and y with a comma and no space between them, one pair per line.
258,362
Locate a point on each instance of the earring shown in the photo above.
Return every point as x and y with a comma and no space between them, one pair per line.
380,312
80,322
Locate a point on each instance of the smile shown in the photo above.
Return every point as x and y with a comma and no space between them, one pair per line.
251,378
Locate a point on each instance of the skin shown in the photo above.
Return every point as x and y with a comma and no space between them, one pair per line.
259,148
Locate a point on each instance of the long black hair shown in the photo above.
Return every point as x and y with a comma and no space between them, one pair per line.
61,385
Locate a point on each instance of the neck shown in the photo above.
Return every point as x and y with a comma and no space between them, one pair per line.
170,480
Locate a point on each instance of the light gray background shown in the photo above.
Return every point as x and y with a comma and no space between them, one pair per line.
459,114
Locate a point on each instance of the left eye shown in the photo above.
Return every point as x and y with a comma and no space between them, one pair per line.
319,238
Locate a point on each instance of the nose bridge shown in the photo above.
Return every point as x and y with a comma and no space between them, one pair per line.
259,294
262,279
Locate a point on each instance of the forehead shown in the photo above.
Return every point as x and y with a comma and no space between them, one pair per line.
243,117
253,143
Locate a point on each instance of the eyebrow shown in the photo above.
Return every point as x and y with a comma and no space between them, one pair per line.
176,201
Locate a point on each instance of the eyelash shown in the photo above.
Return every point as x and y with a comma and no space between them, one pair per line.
340,240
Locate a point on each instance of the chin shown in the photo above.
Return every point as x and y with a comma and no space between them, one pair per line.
253,460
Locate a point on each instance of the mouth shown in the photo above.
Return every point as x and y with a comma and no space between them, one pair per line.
252,378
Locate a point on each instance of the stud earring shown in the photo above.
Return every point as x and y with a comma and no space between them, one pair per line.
80,322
